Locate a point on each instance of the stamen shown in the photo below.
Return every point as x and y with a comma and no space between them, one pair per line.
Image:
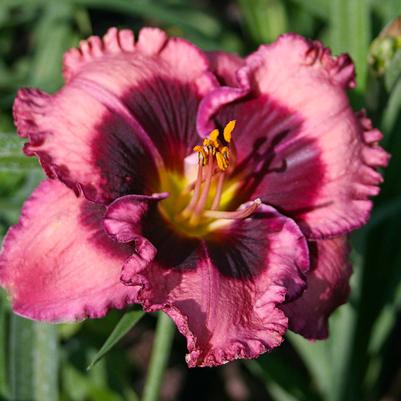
238,214
219,191
214,157
195,196
191,186
205,192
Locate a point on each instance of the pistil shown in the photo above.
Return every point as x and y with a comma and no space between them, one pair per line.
234,215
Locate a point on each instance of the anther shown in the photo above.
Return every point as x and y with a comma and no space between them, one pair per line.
221,162
213,137
228,129
202,156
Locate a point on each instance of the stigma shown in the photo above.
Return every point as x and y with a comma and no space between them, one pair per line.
215,162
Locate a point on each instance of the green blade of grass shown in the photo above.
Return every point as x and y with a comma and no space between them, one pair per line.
127,322
320,8
264,19
393,71
10,145
11,157
160,353
46,65
283,380
316,357
350,32
174,15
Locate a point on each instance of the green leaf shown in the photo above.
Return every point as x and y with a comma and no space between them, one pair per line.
15,165
283,380
181,16
33,361
158,361
265,19
45,71
10,144
316,357
11,157
350,32
385,211
320,8
393,71
388,315
127,322
382,328
342,330
3,353
92,386
74,383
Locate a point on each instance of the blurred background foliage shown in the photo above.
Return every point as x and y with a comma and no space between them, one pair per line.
361,359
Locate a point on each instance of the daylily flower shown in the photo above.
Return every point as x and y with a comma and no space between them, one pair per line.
216,188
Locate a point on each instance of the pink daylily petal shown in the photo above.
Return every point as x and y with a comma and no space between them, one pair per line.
123,217
126,109
225,66
300,147
158,80
58,264
327,288
224,293
124,220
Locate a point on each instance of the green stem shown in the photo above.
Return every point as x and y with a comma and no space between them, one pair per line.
158,361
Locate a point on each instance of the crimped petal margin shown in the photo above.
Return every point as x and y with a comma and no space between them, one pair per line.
225,66
319,159
124,221
58,264
327,289
224,293
127,110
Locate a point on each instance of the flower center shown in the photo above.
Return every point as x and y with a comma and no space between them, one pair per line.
197,206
